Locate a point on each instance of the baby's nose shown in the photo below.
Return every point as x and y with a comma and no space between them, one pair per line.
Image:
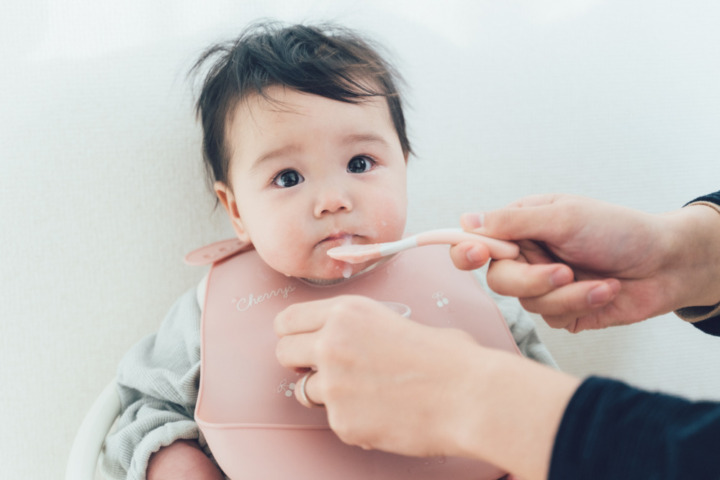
332,200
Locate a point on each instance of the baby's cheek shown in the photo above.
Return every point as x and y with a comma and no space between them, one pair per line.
283,249
390,216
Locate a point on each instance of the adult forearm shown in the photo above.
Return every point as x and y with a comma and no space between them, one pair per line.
514,407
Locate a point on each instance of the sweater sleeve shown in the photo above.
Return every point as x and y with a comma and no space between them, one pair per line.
158,384
612,430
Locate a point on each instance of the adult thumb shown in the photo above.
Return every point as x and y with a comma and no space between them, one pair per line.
512,223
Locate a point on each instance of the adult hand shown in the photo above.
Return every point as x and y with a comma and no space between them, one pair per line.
392,384
372,364
587,264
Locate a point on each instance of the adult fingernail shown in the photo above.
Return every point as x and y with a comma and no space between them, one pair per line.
475,255
560,277
599,295
474,220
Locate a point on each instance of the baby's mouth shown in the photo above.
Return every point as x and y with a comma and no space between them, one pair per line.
337,240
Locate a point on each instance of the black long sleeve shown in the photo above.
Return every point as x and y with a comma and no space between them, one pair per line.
611,430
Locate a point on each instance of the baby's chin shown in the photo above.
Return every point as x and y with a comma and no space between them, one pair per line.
331,270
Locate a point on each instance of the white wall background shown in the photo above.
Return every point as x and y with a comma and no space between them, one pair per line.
101,188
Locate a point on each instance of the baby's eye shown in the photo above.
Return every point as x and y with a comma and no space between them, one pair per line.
360,164
287,178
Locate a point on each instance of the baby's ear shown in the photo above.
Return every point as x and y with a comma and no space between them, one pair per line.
227,198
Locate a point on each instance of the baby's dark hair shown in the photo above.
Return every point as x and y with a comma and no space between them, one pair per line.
324,60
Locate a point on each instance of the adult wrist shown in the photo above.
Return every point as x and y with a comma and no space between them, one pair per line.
705,302
466,430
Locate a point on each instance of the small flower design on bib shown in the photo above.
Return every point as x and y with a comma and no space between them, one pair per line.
440,299
286,388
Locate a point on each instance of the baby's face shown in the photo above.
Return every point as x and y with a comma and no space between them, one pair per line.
308,173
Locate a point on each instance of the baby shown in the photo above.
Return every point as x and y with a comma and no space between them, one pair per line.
305,141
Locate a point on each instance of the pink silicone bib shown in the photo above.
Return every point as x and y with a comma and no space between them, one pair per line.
246,407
